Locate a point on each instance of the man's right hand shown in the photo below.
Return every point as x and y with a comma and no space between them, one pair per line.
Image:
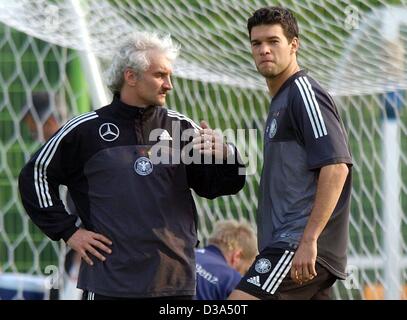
84,242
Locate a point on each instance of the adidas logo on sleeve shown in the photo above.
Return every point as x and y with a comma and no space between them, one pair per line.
254,280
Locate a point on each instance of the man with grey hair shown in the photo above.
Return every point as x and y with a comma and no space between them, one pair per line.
139,218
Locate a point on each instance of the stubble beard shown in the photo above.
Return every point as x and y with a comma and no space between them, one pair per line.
268,74
160,101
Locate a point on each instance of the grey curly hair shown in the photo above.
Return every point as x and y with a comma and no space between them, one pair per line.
134,53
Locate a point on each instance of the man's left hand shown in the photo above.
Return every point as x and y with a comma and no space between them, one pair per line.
303,265
210,142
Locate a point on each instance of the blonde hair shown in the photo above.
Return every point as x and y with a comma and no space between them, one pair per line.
229,235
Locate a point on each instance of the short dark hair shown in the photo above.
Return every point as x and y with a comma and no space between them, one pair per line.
275,15
41,106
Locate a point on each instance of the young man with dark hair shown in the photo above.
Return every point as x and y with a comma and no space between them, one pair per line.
305,187
40,117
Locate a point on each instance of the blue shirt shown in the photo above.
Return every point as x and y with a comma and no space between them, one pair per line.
215,278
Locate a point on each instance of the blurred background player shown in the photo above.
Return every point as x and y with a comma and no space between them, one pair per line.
40,122
43,120
231,250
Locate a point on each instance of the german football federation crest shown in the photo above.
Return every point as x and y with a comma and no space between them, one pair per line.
273,128
263,265
143,166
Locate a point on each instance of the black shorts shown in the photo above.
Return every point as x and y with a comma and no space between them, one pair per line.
269,279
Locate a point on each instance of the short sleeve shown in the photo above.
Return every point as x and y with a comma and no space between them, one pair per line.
317,124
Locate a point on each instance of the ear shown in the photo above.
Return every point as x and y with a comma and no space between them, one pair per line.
295,45
235,257
130,77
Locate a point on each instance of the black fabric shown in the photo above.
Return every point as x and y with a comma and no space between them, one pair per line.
278,278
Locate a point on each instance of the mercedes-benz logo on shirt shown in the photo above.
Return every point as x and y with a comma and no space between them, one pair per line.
109,131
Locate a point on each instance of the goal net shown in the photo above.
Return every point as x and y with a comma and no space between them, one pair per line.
356,49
